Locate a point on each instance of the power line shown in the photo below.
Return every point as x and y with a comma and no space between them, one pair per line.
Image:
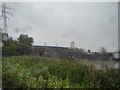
4,18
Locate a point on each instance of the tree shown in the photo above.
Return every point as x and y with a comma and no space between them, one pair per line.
10,47
25,44
17,47
89,51
24,39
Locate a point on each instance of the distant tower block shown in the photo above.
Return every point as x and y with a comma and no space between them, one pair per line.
45,44
56,44
72,44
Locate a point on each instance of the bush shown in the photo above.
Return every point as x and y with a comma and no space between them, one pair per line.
40,72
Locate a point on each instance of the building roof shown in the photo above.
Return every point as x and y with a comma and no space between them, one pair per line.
49,46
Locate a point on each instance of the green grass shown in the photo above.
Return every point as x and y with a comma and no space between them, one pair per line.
40,72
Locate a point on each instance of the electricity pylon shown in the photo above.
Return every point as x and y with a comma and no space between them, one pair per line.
4,18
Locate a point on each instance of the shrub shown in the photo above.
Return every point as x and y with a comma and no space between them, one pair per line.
40,72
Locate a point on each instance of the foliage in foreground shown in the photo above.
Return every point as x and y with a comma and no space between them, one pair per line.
40,72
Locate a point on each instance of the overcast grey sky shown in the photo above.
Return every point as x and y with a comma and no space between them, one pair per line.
91,24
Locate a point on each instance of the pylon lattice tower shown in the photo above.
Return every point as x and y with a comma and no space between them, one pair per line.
4,18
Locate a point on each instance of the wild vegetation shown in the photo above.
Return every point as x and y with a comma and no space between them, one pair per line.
40,72
21,46
22,71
